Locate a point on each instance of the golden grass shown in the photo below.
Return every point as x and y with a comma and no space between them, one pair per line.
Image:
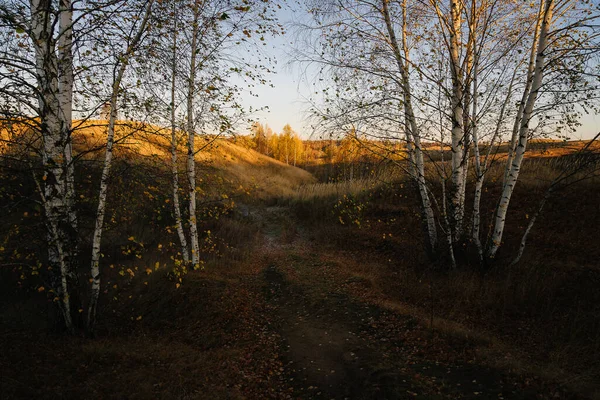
140,142
333,189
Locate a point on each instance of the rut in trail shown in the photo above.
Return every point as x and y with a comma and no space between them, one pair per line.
324,356
332,346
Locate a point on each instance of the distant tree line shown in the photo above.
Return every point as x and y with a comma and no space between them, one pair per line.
286,146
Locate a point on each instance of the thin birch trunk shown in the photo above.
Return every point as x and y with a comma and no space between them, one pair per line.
469,105
101,210
481,170
447,227
65,96
523,243
474,128
511,179
412,130
480,177
191,164
449,238
567,173
185,252
526,92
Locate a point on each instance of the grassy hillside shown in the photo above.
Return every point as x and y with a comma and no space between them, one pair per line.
139,226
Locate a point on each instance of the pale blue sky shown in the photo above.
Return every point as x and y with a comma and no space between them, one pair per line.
287,99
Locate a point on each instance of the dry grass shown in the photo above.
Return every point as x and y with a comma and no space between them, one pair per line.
542,317
333,190
244,169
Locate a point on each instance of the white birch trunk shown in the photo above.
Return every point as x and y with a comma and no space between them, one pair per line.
101,210
523,243
417,168
65,97
481,169
448,229
513,173
191,164
56,153
458,130
480,174
474,130
65,90
526,91
185,252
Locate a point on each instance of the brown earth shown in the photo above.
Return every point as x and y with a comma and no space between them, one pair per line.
283,322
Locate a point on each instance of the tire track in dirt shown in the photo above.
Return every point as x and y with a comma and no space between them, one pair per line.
324,356
334,347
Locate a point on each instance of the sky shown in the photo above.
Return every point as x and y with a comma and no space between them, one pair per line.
590,127
286,101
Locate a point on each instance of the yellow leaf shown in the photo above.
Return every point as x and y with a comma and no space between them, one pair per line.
41,289
177,285
138,318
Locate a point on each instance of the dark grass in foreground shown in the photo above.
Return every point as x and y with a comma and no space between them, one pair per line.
217,335
206,339
541,316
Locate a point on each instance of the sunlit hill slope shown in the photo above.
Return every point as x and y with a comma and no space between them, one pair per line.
136,142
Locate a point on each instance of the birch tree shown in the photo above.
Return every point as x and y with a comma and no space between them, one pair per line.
44,64
561,63
413,135
208,47
364,56
174,169
457,76
121,64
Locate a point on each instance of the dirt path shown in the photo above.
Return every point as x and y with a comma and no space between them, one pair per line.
337,347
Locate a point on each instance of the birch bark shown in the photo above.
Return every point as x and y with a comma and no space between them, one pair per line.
65,90
110,139
458,136
412,130
191,164
185,252
55,131
526,92
519,153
